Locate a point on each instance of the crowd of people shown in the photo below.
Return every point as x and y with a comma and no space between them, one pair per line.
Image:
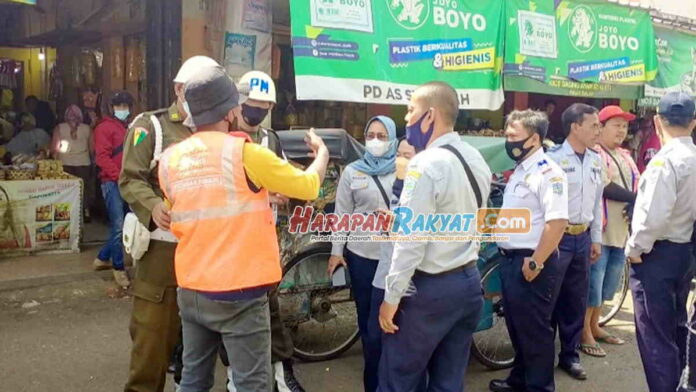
202,179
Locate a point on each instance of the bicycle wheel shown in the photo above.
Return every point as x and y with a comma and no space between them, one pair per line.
611,308
321,316
491,344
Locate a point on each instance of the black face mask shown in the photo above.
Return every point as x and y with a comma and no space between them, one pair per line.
516,151
253,115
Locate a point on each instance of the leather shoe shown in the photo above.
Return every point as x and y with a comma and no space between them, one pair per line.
502,386
575,370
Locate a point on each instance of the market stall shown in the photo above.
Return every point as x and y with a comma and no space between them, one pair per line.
40,209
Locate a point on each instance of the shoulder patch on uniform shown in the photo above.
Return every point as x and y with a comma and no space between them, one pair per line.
557,188
542,163
657,162
139,135
413,174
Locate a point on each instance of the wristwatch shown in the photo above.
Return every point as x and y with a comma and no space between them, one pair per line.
533,265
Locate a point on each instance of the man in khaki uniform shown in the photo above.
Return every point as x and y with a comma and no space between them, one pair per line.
155,324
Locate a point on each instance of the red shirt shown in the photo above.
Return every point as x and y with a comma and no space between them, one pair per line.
109,136
648,149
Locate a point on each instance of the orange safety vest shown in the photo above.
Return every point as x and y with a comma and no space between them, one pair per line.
227,237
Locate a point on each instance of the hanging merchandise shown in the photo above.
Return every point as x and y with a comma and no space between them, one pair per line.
6,99
117,62
141,59
88,66
73,77
8,74
55,88
132,61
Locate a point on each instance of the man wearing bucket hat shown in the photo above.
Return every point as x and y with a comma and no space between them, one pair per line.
227,259
660,248
155,325
261,97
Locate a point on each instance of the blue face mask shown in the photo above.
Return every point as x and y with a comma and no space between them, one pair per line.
121,114
415,137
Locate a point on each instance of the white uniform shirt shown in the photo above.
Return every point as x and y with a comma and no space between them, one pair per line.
540,185
358,193
386,250
665,207
585,186
437,183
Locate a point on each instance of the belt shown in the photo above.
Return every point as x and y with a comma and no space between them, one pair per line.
577,229
162,235
516,252
469,265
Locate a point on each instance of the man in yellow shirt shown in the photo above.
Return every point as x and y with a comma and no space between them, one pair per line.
227,257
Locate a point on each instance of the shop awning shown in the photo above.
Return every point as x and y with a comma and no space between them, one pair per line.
60,37
587,48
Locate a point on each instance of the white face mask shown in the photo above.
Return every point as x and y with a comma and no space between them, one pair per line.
377,147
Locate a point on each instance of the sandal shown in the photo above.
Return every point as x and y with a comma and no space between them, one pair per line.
611,339
593,350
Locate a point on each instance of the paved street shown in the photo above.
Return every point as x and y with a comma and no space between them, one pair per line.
66,334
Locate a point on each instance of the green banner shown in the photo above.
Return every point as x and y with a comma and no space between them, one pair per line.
379,51
581,48
676,55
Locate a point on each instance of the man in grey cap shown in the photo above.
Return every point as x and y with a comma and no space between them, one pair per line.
227,258
660,249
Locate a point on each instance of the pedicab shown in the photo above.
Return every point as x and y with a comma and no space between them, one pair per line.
319,310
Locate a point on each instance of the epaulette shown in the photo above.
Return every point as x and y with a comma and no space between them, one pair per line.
555,148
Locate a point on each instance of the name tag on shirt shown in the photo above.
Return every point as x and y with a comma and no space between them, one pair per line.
359,182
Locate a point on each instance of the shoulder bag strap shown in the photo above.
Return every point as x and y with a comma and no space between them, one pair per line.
381,190
469,174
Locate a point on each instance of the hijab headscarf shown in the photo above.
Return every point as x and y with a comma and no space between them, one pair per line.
73,116
379,166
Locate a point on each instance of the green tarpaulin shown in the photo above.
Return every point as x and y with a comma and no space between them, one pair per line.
379,51
676,71
493,151
585,48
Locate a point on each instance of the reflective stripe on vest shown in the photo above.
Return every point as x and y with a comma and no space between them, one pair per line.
227,237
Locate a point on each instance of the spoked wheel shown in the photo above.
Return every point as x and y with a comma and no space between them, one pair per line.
611,308
321,316
492,345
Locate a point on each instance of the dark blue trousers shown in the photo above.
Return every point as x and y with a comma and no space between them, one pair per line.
569,314
436,325
660,287
528,310
374,337
362,272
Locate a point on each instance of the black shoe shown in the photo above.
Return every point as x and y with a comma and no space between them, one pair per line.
575,370
288,382
502,386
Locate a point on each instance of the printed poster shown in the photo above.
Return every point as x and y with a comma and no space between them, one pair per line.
40,215
257,15
339,55
240,50
343,14
537,34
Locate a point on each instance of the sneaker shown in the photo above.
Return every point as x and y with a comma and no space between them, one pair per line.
100,265
285,377
121,278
